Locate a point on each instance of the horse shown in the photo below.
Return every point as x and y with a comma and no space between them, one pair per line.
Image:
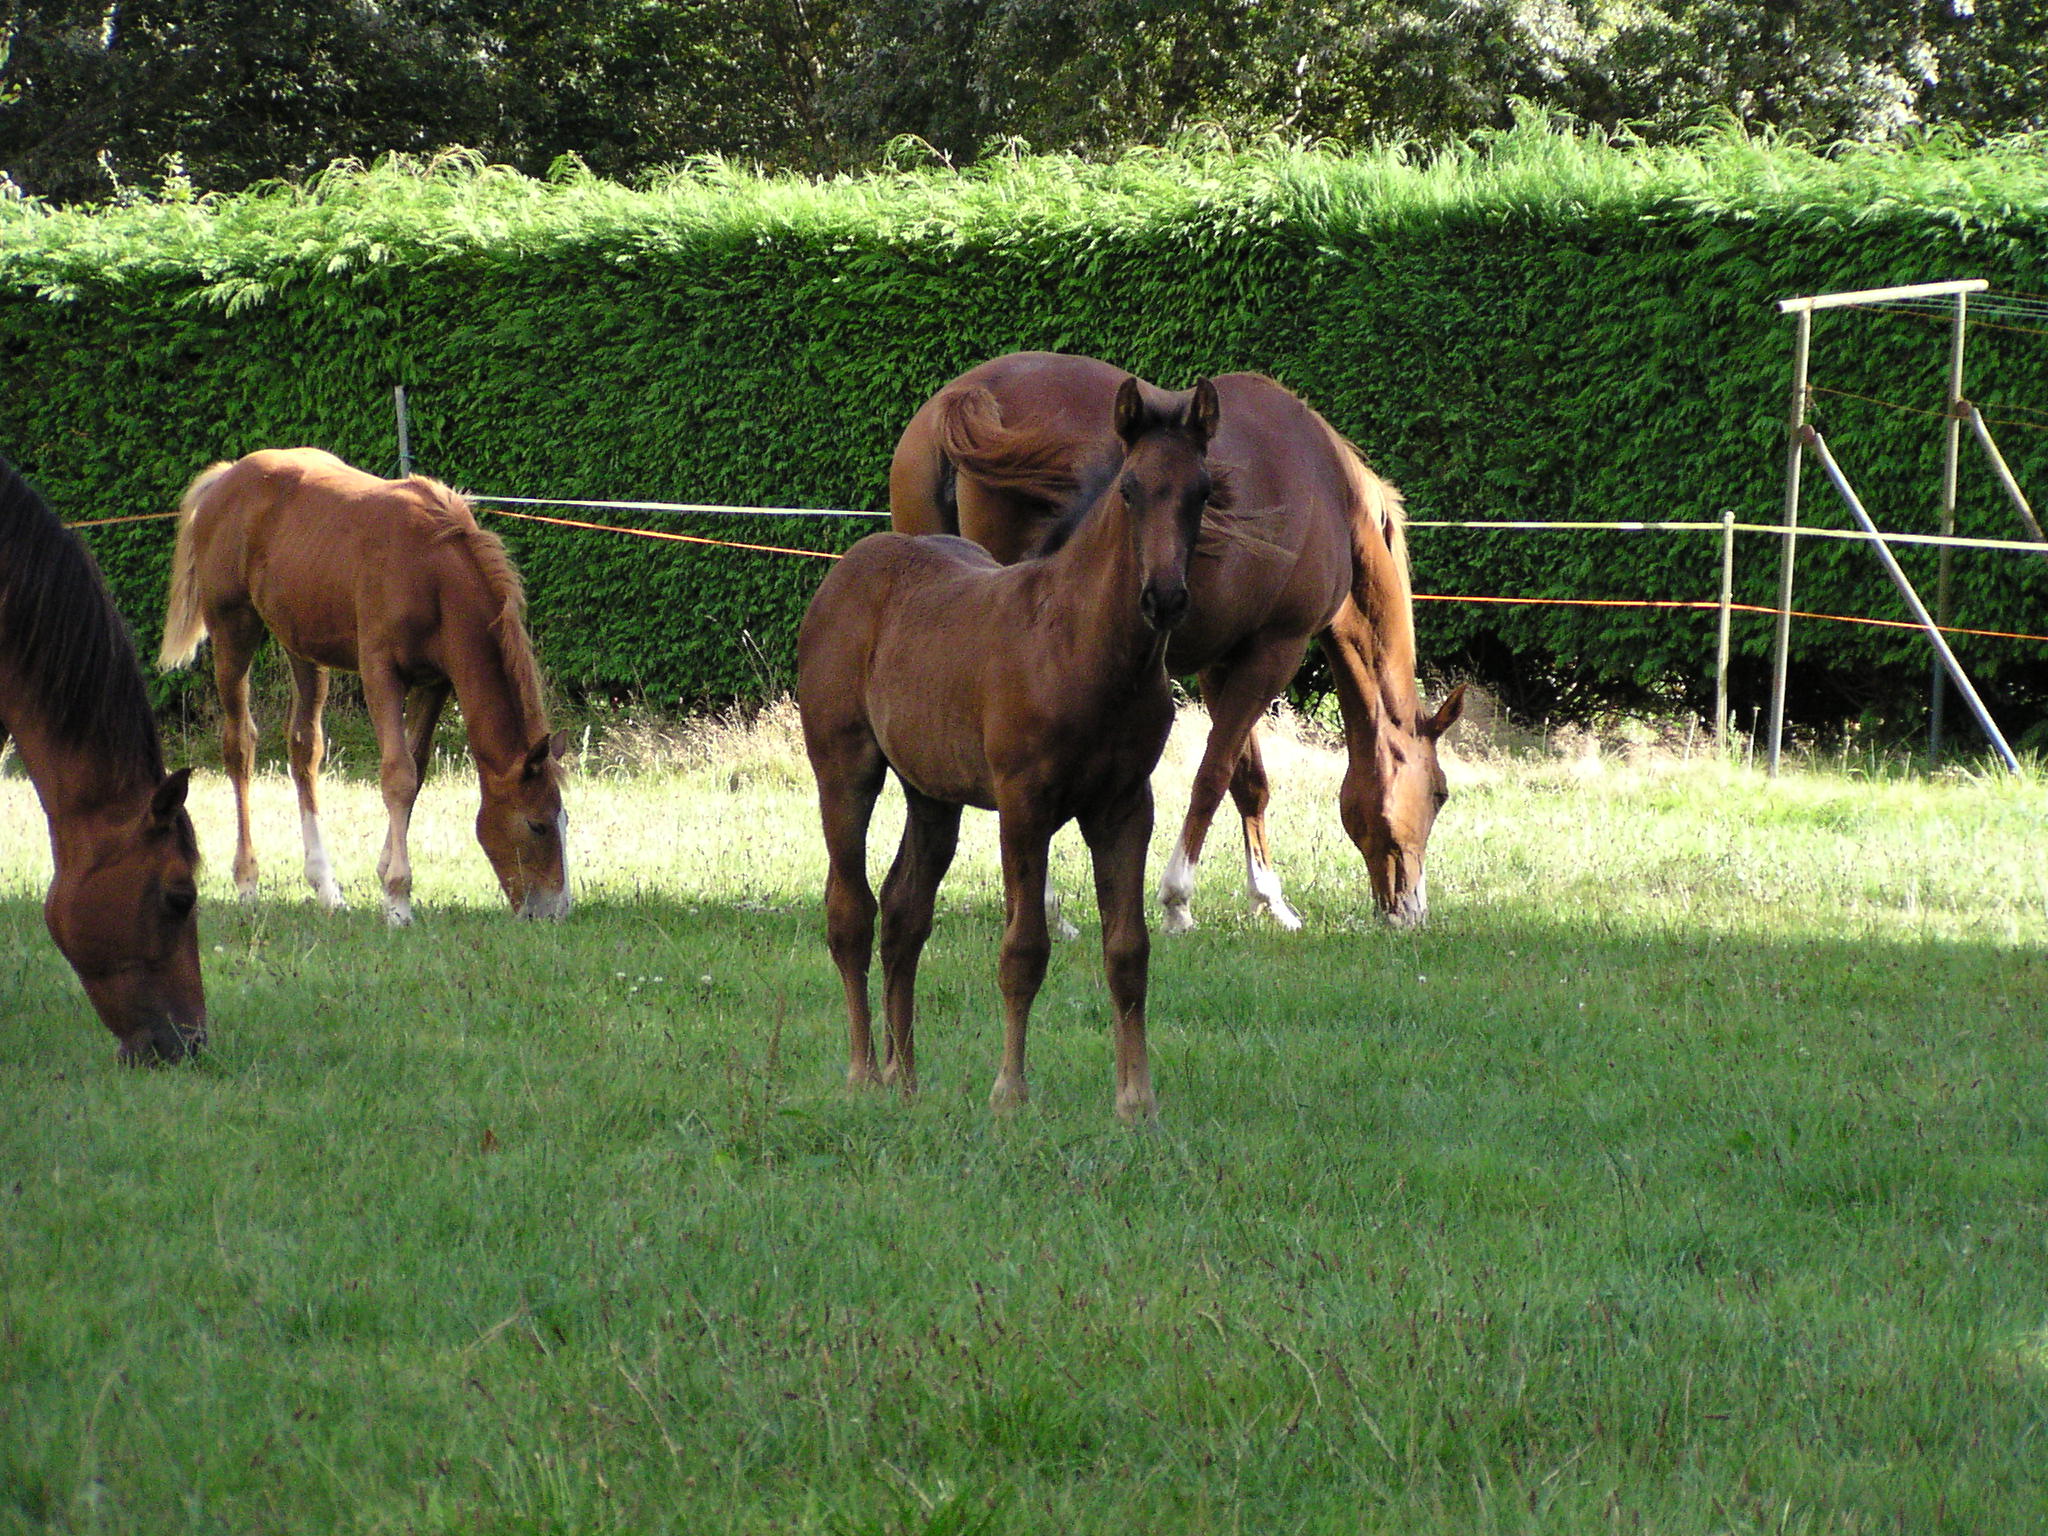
122,901
1316,551
1038,690
394,580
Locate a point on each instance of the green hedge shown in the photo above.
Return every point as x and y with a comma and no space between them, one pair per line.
1540,327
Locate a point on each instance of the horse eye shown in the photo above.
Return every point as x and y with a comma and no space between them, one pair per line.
179,903
540,828
1129,488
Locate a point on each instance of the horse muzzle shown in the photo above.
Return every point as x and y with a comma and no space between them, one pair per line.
161,1043
1163,607
547,906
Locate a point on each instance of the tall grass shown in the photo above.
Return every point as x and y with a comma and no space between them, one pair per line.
1687,1174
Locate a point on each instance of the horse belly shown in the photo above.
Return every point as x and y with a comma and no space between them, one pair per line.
934,745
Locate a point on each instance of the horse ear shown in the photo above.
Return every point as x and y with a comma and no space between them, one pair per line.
1205,412
1447,715
169,798
1130,410
558,745
537,757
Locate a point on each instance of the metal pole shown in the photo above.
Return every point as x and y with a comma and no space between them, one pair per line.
1944,604
1934,634
404,433
1721,644
1795,450
2012,486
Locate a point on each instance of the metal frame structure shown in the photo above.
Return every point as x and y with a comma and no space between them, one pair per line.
1802,437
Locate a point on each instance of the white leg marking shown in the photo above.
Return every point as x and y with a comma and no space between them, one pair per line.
1176,886
1056,920
1262,884
397,911
319,873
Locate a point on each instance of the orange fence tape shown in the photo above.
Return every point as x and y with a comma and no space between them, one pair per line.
1420,597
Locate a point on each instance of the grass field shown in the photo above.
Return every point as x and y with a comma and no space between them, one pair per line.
1688,1174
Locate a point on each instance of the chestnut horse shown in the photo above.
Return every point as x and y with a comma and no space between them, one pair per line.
1316,551
392,579
1038,690
71,695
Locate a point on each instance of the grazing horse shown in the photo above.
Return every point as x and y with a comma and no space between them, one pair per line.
392,579
1037,690
71,695
1314,549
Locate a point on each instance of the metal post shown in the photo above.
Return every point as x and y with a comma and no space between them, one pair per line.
1794,452
1721,645
2012,487
404,433
1944,605
1891,565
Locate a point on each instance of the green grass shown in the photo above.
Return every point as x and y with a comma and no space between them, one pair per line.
1688,1174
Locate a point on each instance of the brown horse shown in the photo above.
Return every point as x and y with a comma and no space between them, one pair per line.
72,697
1037,690
392,579
1314,548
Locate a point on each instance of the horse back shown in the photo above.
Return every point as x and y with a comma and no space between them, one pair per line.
328,556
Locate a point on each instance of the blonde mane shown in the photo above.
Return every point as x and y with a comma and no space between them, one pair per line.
457,520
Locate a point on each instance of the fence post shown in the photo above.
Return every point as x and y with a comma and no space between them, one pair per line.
404,433
1795,452
1944,605
1721,642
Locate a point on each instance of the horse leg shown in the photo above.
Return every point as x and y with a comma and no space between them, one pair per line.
235,638
309,699
1250,792
1021,971
1237,693
848,782
1117,840
931,831
384,696
423,715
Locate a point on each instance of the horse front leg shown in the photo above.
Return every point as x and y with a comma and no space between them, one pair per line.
931,832
1250,792
384,696
1026,944
308,747
1236,695
1117,842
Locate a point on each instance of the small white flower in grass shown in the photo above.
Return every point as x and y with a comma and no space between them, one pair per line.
704,981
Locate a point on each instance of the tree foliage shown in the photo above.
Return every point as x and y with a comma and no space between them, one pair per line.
96,95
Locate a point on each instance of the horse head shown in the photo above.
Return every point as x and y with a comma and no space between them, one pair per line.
525,832
1164,485
1389,802
121,911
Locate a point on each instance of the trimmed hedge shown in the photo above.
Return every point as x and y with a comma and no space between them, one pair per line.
1543,327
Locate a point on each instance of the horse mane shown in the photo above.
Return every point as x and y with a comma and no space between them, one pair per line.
65,639
501,579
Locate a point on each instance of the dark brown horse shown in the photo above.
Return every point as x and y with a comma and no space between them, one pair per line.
71,696
392,579
1314,548
1037,690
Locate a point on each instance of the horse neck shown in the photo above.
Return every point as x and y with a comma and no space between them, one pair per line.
1372,653
1095,578
82,794
501,723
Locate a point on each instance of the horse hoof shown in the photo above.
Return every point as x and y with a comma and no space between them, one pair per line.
245,889
398,914
1008,1096
330,898
1281,913
1177,919
1138,1111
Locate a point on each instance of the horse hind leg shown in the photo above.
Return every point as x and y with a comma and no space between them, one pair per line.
931,833
308,748
849,779
1251,792
235,638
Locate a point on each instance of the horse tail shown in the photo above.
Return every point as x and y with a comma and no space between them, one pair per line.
1034,463
184,624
